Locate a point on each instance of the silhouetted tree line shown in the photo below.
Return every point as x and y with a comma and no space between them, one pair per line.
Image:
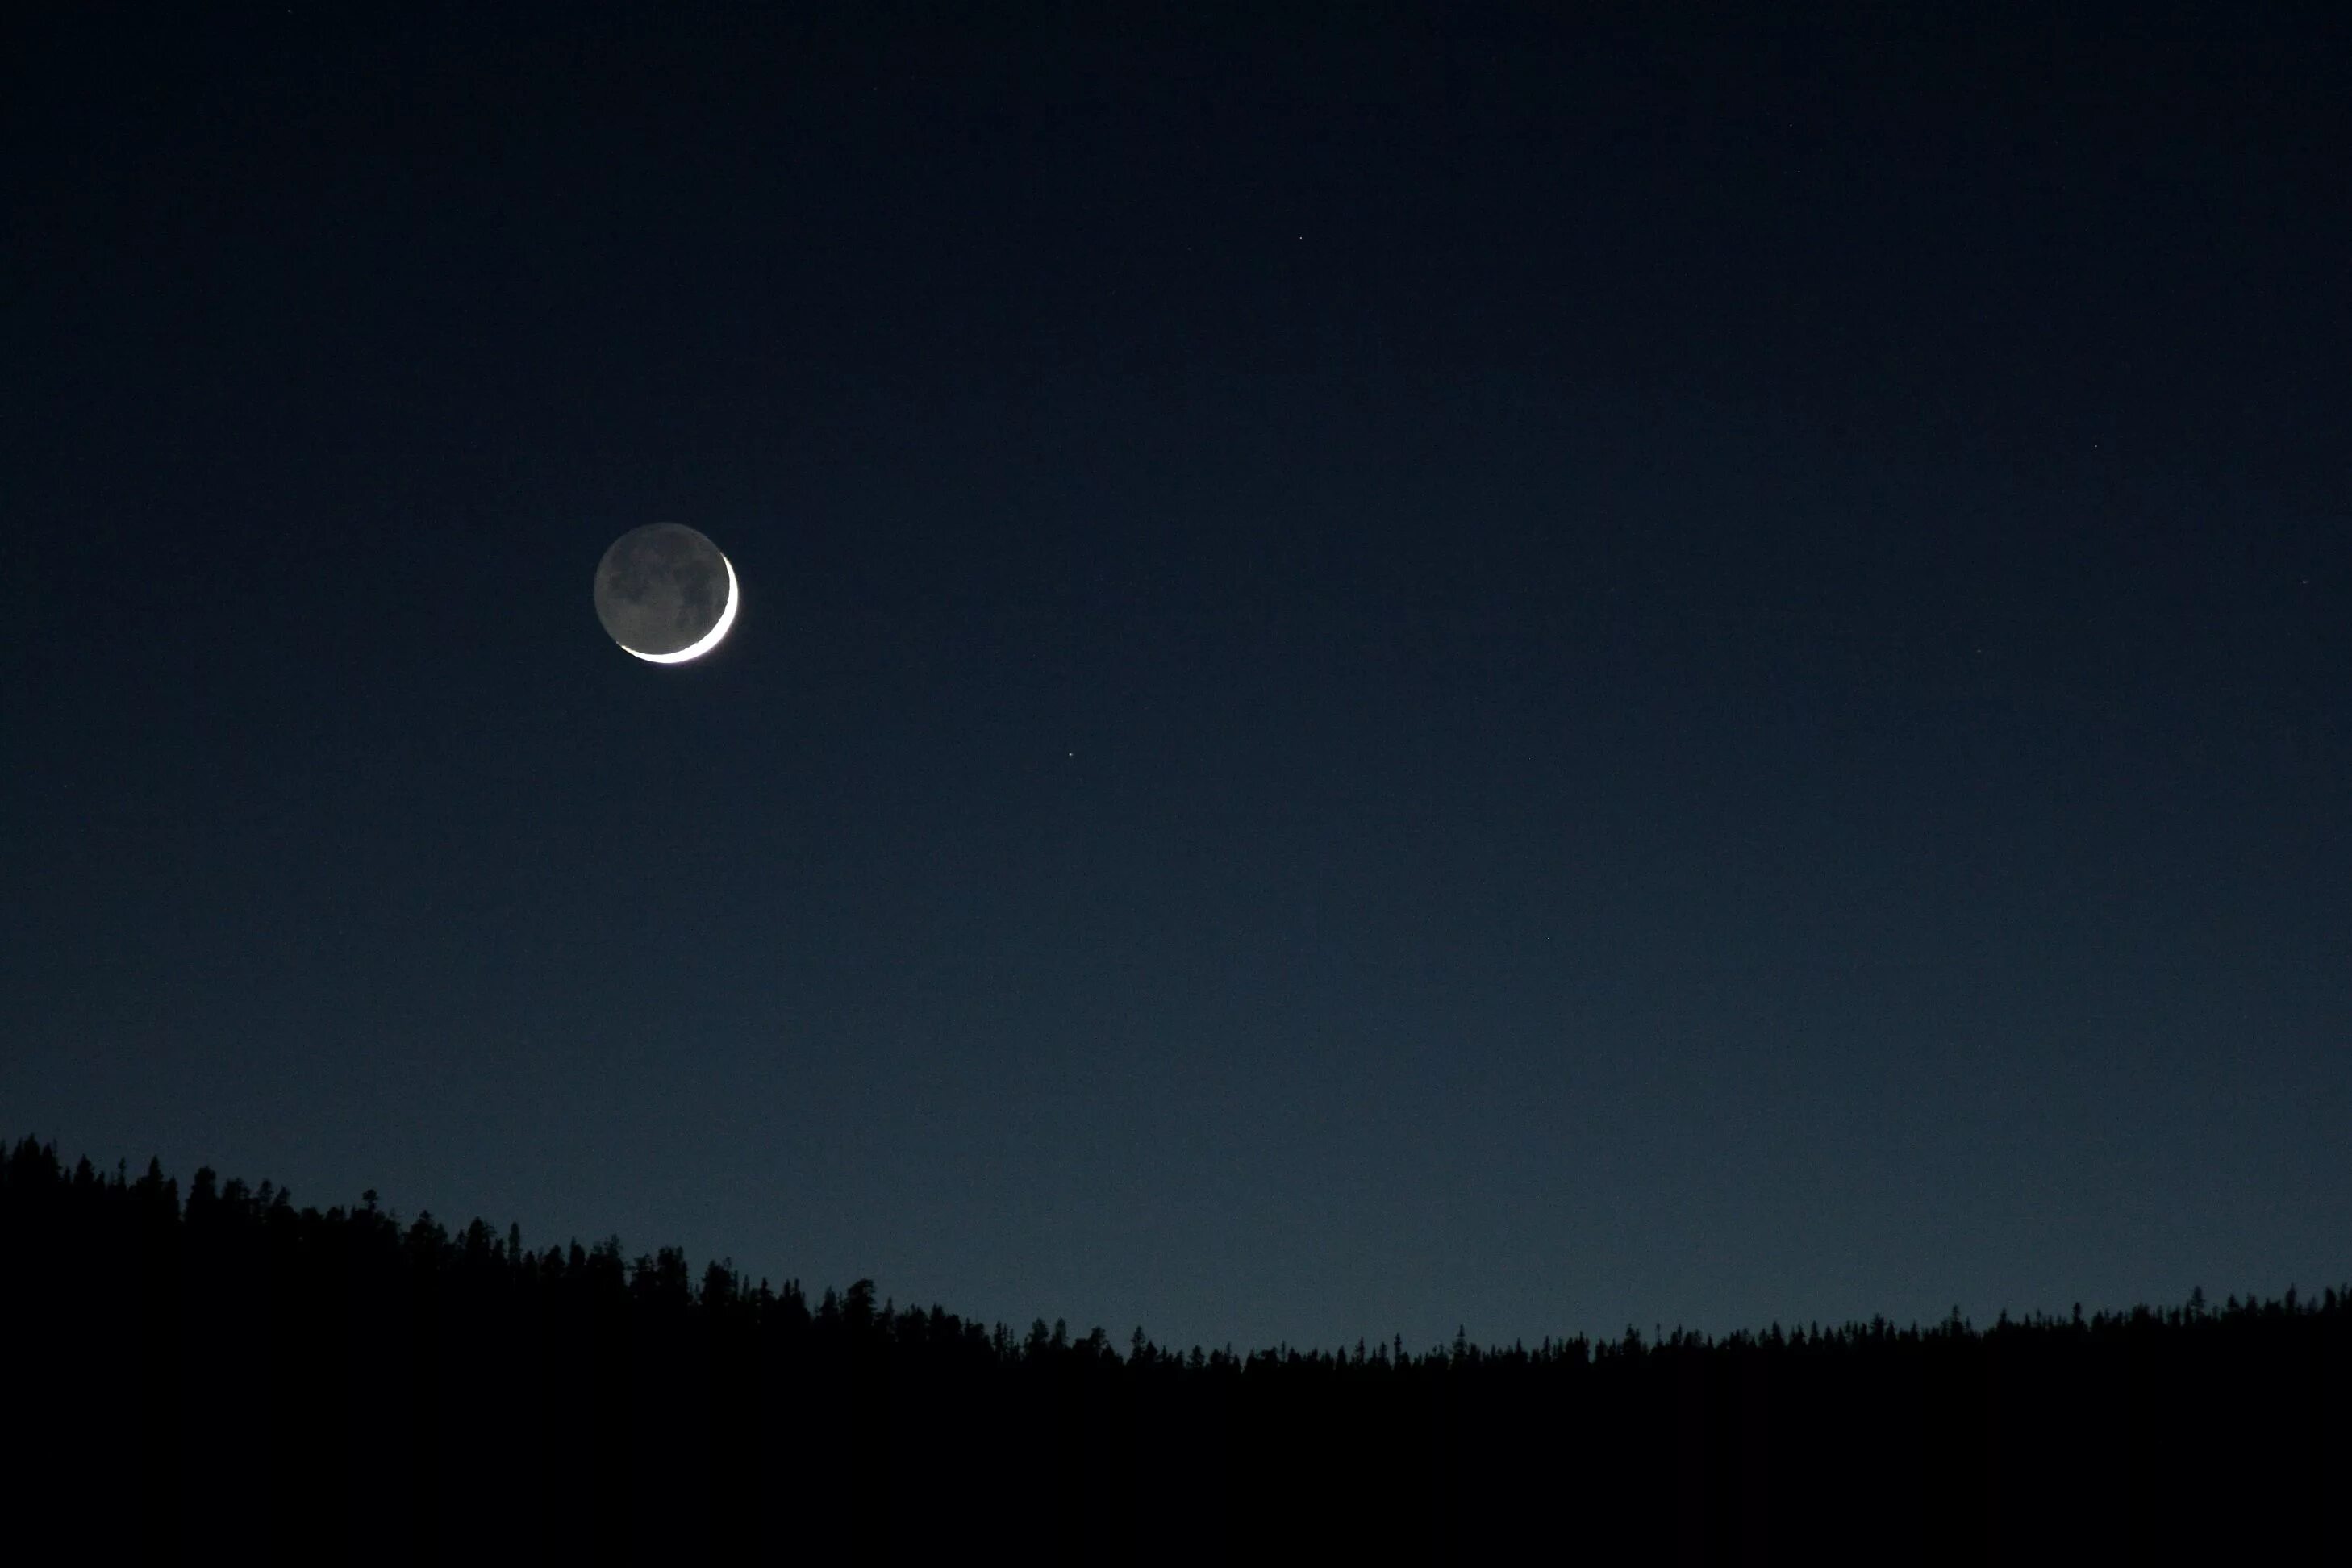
228,1369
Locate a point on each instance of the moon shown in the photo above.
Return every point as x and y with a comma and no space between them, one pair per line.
664,592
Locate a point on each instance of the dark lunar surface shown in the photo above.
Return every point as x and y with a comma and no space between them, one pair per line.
660,588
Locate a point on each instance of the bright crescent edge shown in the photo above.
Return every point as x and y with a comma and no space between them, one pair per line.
709,640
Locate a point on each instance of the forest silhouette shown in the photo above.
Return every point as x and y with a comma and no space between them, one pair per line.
226,1370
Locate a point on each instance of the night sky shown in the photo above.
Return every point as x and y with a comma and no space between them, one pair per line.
1389,676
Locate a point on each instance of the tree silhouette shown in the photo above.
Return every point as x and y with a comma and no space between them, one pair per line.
337,1385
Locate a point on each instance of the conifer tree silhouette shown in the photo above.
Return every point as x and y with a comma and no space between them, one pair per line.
337,1376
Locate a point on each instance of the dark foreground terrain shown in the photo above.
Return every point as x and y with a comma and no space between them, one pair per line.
225,1371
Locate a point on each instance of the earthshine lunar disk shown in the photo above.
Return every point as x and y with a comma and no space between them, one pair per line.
665,594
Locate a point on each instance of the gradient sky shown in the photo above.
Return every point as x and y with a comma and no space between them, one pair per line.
1391,677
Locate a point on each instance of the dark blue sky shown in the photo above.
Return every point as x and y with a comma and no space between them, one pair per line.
1390,676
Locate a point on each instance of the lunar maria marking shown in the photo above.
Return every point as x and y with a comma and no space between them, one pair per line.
710,638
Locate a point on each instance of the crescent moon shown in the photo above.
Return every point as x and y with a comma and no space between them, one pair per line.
709,640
